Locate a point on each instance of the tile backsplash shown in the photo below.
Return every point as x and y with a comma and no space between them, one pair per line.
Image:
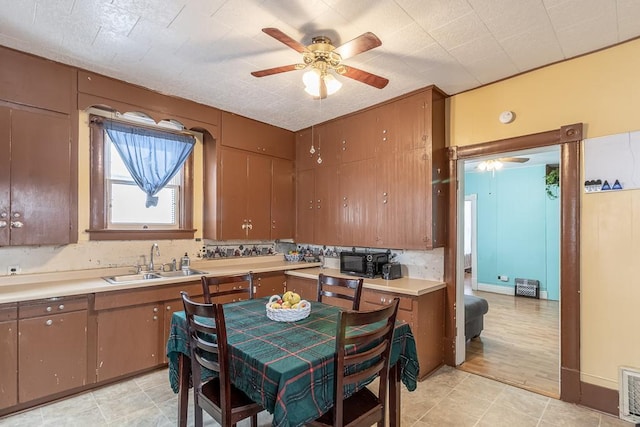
93,255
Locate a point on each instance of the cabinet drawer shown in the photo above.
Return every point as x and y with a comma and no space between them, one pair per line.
382,298
47,306
8,312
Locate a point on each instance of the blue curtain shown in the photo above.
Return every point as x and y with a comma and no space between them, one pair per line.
152,157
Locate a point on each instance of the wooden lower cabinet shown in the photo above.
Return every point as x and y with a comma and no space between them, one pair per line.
8,355
133,327
128,340
267,284
52,347
425,315
306,288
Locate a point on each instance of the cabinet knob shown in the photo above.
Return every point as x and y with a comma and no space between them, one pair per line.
3,215
168,308
48,309
61,307
384,194
155,309
49,322
344,148
155,317
3,223
345,205
384,201
16,224
16,215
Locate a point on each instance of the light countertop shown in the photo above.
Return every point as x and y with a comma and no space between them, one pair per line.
404,285
26,287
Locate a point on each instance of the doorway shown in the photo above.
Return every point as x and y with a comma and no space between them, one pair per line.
568,138
518,227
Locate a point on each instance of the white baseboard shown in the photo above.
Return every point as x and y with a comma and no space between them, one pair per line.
505,290
496,289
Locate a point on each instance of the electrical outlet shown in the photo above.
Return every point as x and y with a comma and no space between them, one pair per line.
503,278
13,269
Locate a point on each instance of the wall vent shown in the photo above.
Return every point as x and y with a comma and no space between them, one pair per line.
630,395
527,288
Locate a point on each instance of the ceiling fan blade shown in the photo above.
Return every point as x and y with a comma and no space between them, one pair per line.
276,70
283,38
514,159
362,43
365,77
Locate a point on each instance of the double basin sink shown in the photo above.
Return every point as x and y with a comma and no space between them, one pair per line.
126,278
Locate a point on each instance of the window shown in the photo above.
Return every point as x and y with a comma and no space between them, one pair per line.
120,208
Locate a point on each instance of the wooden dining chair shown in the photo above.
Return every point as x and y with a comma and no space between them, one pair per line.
340,288
208,347
224,289
360,356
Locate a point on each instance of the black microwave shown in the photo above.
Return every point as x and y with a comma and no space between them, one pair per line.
363,264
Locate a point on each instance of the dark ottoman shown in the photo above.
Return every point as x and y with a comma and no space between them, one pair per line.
474,310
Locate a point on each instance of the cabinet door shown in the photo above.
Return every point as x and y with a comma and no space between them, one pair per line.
327,206
306,288
170,307
5,174
267,284
282,200
305,206
258,200
358,222
358,137
411,121
8,363
52,354
304,158
40,178
387,203
233,196
123,348
327,139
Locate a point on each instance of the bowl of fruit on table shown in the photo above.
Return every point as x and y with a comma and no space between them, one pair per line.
287,308
293,256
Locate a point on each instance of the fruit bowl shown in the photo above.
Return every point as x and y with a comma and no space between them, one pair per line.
287,314
293,257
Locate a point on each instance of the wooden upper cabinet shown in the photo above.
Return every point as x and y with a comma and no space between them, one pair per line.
36,184
305,159
305,206
245,195
358,135
282,199
357,203
327,139
37,82
251,135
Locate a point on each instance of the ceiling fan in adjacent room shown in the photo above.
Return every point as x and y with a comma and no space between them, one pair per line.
322,57
496,164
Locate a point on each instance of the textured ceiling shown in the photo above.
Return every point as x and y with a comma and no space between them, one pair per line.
204,50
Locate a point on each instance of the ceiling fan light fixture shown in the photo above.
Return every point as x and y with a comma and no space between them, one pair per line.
311,80
490,165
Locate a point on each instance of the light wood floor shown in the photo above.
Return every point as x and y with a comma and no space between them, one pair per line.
519,344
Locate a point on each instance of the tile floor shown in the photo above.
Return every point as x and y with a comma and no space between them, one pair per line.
450,397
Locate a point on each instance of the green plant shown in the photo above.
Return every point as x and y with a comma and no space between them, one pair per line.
552,181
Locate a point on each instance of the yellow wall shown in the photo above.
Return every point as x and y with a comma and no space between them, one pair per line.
601,90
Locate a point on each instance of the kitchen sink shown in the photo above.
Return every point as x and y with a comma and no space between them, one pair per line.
181,273
132,277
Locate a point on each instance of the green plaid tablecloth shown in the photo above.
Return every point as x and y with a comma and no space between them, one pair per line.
286,366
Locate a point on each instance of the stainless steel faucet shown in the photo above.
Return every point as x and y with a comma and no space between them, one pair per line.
154,246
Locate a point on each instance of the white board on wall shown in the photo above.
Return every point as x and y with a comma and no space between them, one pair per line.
613,157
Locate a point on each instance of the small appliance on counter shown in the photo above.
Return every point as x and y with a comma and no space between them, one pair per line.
363,264
391,270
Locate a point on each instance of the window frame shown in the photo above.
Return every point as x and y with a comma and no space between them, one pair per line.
98,217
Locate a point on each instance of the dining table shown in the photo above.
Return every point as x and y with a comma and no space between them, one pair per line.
287,367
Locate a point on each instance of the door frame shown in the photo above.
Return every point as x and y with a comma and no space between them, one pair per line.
568,137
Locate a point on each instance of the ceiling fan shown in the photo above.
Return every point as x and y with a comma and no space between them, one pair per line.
322,57
496,164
